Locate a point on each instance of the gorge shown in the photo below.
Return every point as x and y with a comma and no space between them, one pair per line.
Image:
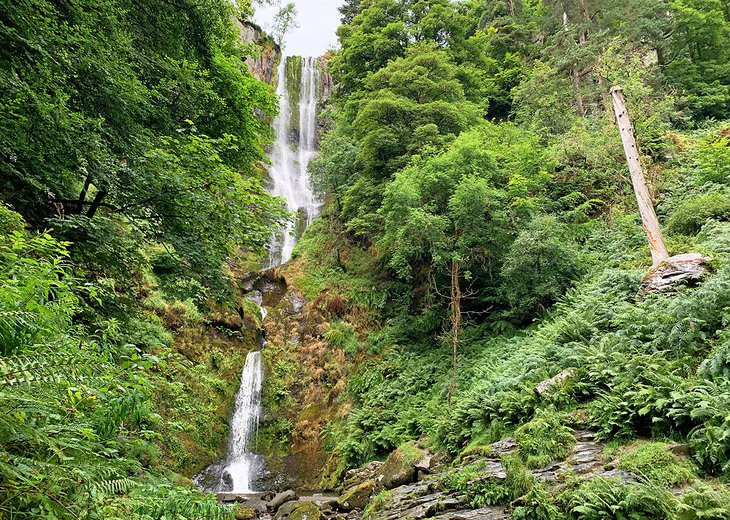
232,291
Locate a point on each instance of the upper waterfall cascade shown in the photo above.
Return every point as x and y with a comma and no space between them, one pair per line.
295,147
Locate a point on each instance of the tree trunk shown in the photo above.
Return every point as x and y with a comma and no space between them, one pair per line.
82,196
455,321
511,7
648,216
96,203
574,76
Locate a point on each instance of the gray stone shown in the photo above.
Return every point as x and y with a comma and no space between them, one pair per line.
486,513
504,447
357,476
400,466
281,498
356,497
678,269
299,510
549,384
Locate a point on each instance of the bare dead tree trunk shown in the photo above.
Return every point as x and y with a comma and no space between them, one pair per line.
648,216
575,77
455,321
511,7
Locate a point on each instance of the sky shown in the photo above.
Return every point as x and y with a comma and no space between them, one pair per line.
318,21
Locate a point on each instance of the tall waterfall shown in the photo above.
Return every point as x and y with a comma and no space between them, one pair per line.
291,153
242,464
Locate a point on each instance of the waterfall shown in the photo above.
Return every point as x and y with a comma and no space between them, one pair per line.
291,153
242,464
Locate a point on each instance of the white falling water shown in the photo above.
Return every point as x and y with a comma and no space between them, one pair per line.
290,157
241,464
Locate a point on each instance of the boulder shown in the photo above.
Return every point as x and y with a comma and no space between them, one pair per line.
401,465
357,476
356,497
549,384
245,513
281,498
688,268
299,510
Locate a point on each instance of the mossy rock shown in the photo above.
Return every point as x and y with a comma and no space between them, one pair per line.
400,466
299,511
245,513
357,497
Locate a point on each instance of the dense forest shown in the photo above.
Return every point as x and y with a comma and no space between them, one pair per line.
476,292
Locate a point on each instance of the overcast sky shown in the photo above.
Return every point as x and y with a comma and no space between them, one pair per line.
318,21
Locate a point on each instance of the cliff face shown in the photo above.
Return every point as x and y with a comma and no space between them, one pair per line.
266,55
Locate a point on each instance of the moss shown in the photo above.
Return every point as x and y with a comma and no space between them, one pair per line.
399,467
378,503
293,71
357,497
653,461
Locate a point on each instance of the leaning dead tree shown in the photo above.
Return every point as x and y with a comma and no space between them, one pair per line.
646,207
666,271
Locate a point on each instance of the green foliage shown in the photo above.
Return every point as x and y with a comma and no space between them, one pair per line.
654,462
172,160
704,501
691,215
544,439
342,336
602,498
539,267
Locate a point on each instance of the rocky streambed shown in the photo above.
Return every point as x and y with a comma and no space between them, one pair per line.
413,483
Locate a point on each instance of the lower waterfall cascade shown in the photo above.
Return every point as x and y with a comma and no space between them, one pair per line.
292,152
241,463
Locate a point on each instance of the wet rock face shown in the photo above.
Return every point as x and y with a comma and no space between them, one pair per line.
263,66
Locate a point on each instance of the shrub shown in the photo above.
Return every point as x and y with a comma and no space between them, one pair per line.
544,439
691,215
602,498
540,266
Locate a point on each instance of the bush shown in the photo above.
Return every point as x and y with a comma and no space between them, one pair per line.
652,461
602,498
691,215
544,439
540,267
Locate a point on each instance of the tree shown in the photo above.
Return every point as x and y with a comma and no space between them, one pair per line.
284,20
